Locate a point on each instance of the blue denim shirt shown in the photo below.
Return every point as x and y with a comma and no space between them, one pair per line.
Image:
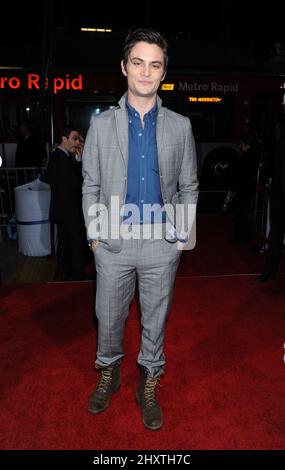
143,182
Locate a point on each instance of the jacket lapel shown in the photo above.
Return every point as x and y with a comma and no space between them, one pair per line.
159,135
122,128
160,132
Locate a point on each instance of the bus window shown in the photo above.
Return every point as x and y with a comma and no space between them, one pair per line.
212,122
79,113
170,103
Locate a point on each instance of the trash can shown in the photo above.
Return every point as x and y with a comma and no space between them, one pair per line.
32,202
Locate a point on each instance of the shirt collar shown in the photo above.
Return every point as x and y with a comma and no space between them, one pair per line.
133,112
65,151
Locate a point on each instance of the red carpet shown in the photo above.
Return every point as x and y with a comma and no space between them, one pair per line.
224,385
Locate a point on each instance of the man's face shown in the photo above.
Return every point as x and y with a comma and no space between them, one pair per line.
71,142
145,69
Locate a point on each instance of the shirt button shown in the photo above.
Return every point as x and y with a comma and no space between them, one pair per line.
140,134
142,200
142,156
142,178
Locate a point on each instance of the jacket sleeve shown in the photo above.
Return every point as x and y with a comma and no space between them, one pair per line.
188,182
187,195
91,181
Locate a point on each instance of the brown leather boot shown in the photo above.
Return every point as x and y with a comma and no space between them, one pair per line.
146,399
109,383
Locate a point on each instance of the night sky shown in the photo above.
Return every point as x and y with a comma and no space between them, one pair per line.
218,20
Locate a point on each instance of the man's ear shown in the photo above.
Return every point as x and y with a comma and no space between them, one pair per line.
123,69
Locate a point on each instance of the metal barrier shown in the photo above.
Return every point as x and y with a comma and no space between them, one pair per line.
9,179
260,196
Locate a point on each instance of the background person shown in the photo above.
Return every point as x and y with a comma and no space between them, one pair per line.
277,210
244,183
65,179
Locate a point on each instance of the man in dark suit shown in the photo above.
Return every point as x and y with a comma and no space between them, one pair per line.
65,179
277,210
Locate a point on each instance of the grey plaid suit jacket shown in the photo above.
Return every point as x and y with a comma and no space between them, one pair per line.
105,166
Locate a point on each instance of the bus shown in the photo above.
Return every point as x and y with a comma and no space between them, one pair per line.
221,106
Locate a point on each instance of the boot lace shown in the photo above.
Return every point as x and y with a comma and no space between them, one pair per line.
149,391
105,381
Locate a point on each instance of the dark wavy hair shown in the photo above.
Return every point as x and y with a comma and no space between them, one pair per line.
66,131
146,35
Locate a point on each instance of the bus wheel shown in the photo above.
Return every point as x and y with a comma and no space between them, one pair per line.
218,169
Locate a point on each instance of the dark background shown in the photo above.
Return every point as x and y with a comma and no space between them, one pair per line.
200,33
